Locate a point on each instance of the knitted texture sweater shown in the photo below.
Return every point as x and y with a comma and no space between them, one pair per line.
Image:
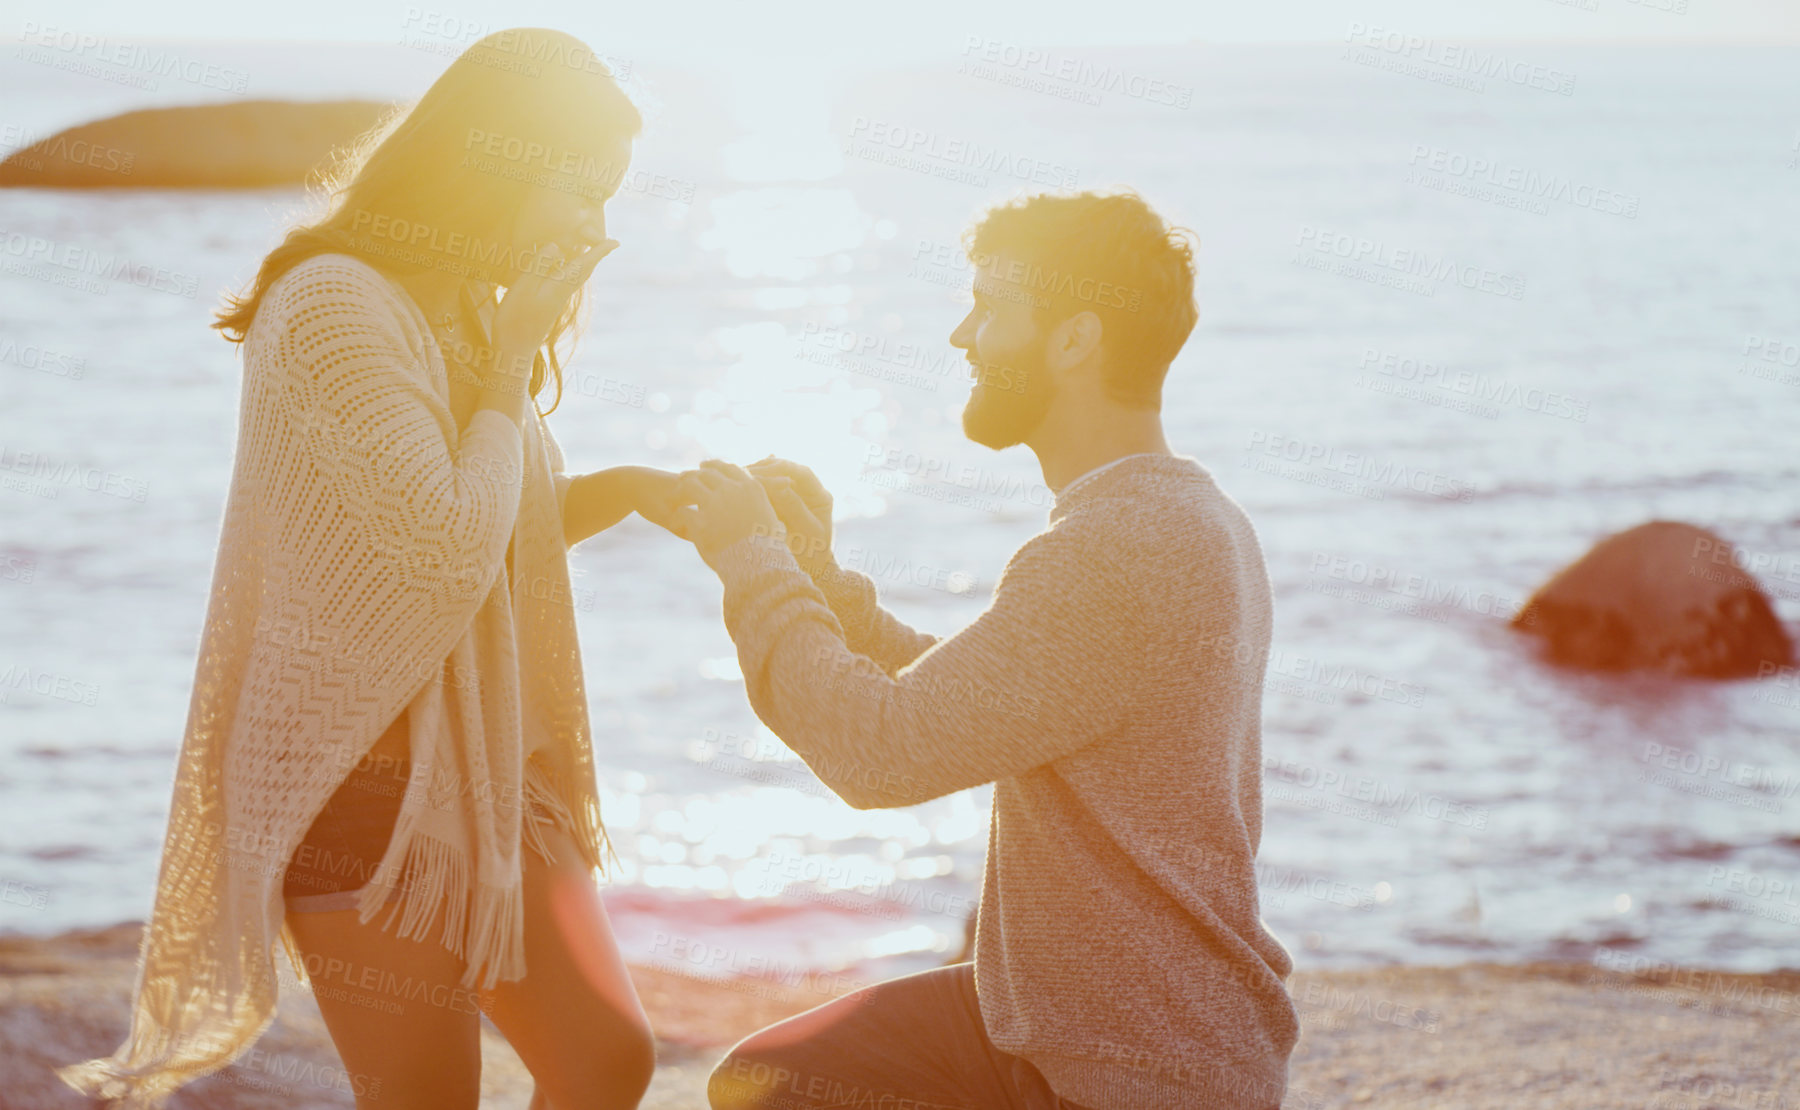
1118,942
361,572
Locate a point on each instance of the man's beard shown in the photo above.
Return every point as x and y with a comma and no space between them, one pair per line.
1010,398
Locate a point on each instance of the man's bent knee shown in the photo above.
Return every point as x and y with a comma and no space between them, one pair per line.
747,1080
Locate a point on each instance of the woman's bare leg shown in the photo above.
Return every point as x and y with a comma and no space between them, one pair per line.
574,1019
408,1034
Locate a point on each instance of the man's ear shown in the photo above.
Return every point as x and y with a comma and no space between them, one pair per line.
1074,340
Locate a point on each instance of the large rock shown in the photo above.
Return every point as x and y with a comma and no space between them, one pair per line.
241,145
1661,596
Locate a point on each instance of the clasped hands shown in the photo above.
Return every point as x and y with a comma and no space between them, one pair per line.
717,503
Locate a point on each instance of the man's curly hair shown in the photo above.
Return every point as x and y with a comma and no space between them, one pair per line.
1108,253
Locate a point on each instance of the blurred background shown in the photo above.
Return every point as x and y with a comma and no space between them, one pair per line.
1601,198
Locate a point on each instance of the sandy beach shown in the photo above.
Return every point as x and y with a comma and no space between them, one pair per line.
1545,1036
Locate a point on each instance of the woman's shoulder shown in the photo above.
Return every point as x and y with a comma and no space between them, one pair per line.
336,287
330,273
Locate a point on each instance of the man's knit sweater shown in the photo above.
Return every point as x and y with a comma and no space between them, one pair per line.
1118,944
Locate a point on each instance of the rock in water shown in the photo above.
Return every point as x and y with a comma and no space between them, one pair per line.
1661,596
241,145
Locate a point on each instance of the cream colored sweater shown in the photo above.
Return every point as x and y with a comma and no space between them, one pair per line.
360,573
1118,943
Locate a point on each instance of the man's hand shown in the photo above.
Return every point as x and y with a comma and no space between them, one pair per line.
730,505
804,507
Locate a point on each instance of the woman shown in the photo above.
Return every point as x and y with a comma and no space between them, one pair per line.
389,704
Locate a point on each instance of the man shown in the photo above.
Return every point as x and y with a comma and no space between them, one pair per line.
1111,691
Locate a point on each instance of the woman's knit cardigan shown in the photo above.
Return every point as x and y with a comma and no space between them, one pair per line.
363,569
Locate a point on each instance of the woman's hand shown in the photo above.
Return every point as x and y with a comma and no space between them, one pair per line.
537,299
597,501
656,495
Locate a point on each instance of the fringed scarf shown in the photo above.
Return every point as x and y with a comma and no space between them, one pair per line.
362,571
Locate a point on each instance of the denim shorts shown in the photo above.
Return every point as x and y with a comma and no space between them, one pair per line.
344,846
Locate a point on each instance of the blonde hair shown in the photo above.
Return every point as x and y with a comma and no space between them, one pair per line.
520,109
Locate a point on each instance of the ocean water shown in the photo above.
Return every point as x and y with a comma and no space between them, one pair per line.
1604,332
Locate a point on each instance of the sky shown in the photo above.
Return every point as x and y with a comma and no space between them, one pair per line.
727,32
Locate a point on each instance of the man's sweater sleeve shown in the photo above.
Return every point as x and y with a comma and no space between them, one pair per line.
868,628
1044,671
